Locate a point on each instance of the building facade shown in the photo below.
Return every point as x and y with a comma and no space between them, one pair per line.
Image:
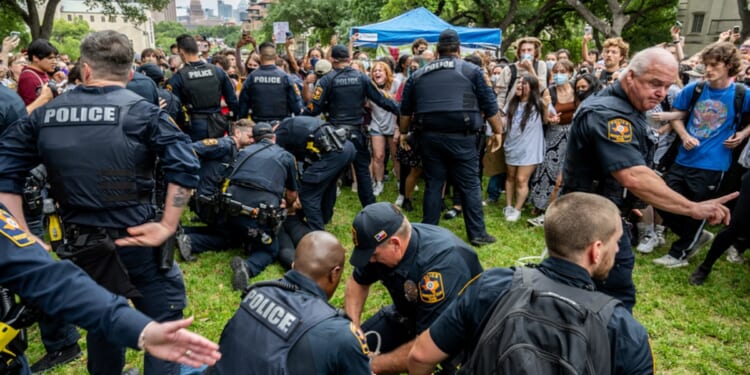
141,35
703,21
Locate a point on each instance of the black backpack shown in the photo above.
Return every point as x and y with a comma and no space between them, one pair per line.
543,327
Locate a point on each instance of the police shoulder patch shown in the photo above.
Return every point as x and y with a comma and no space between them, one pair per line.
296,90
10,229
354,236
620,130
431,288
210,142
360,338
318,93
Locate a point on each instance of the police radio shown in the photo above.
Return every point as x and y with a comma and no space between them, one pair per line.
14,319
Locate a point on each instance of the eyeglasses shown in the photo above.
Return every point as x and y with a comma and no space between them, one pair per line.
20,62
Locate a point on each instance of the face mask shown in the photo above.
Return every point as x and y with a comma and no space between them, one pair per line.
250,70
581,94
526,56
550,64
560,78
313,61
234,76
495,77
366,63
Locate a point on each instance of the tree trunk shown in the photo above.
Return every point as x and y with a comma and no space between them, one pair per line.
40,26
619,18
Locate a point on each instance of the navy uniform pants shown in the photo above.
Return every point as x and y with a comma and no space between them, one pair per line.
455,154
619,283
317,191
163,298
362,168
198,128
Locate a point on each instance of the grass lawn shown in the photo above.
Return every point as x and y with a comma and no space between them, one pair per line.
694,330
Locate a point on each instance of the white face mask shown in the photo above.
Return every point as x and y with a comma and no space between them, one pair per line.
560,78
550,64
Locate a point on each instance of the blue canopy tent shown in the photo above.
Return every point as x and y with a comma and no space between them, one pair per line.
421,23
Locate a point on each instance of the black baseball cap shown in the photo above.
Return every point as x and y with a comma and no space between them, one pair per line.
339,52
448,36
372,226
262,130
153,71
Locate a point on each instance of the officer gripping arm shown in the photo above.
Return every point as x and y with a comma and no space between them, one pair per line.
377,97
293,97
62,289
318,103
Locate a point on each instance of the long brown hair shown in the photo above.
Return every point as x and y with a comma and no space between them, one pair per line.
535,101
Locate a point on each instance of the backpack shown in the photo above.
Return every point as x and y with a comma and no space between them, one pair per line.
544,327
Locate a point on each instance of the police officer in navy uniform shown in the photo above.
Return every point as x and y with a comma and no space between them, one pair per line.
287,326
11,108
341,95
326,154
444,101
582,244
200,87
609,153
171,103
264,174
422,266
268,91
61,289
144,86
216,157
99,143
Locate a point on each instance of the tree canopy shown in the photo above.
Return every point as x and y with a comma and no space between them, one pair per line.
67,36
39,15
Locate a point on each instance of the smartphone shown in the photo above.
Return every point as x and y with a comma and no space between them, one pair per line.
15,34
678,24
587,30
355,31
736,29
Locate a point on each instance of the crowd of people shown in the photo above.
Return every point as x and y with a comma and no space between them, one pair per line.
259,147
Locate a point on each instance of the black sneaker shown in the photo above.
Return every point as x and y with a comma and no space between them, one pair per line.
54,359
483,240
452,214
185,246
699,276
407,206
240,276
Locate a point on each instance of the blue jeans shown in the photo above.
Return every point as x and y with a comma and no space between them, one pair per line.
495,186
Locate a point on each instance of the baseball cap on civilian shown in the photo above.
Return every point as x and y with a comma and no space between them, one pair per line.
322,67
339,52
448,36
372,226
262,130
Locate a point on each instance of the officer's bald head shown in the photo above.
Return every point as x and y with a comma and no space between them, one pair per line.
320,257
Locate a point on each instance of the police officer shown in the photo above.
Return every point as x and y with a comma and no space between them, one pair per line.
302,334
200,87
326,153
263,175
61,289
268,91
574,262
423,267
171,103
447,98
216,158
11,108
341,95
99,143
144,86
609,152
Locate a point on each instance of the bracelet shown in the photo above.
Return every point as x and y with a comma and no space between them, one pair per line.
142,336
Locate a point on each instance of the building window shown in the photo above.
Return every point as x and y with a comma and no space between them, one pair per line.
697,22
80,17
91,18
103,19
112,19
70,18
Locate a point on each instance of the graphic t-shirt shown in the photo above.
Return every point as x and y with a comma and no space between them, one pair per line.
711,122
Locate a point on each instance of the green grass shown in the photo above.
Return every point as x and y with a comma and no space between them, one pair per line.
694,330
